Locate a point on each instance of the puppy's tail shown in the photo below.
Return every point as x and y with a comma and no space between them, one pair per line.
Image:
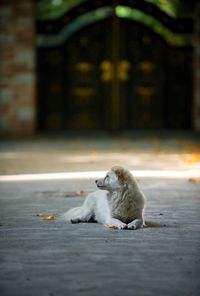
73,214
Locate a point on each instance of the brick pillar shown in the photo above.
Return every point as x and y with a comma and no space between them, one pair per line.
17,67
196,104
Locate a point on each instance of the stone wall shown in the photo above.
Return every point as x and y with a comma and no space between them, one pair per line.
196,103
17,67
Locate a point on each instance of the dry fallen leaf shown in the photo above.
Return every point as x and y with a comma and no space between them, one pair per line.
194,180
193,148
40,215
190,158
80,193
49,217
46,217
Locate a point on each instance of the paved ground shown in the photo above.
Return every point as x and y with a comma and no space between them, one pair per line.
54,258
70,153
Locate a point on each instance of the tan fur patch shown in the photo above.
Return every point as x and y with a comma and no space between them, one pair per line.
123,175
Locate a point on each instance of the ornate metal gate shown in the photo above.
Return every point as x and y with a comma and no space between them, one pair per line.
114,67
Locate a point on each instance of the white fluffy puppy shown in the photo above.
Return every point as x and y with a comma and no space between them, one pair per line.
119,204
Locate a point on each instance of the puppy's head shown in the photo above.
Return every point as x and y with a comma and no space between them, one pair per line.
115,179
110,182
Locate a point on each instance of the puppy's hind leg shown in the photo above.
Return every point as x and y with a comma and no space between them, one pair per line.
72,214
80,214
77,215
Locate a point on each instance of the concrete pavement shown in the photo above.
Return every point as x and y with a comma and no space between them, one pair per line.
54,258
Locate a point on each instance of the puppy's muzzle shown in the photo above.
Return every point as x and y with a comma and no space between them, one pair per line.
99,183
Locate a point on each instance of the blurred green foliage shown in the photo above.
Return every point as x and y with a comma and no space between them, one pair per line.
50,9
175,8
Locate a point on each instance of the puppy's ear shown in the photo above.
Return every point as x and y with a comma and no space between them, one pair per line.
120,173
123,174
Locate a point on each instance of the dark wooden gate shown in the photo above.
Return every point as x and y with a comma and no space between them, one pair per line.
114,73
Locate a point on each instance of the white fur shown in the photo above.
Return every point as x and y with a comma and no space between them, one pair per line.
119,204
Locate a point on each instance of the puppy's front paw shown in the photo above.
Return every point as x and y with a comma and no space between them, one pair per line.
113,226
131,226
123,226
117,226
135,224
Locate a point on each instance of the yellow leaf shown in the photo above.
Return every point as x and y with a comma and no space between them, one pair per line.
190,158
194,180
49,217
80,193
40,215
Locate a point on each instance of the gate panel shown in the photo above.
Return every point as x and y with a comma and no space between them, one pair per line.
87,81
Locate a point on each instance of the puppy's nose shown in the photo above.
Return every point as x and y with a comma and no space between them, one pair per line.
96,181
